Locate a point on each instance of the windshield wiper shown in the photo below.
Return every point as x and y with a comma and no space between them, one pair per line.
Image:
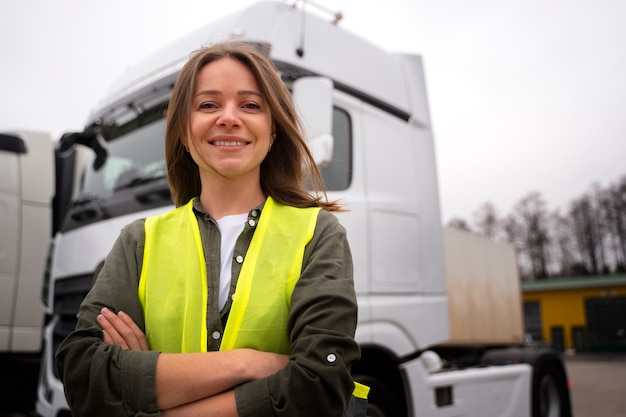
135,181
85,199
87,207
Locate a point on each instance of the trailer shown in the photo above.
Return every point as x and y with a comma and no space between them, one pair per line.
26,188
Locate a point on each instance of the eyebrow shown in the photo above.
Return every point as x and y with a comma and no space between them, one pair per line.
239,93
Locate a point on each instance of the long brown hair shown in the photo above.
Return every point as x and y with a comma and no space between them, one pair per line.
289,166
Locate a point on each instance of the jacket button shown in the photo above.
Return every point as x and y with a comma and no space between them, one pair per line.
331,358
239,259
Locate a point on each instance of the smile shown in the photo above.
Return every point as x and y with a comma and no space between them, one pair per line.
227,143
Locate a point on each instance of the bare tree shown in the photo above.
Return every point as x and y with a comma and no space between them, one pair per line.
614,205
486,220
532,215
566,252
589,239
586,231
513,234
512,231
459,223
601,215
620,218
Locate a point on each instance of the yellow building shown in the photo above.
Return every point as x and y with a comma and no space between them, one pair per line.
584,314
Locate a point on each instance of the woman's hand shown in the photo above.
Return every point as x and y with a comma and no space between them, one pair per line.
260,364
119,329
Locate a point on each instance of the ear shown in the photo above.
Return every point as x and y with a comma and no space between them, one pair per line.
184,142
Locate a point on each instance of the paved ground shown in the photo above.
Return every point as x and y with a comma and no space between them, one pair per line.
598,386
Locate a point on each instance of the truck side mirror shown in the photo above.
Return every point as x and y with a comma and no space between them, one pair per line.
87,138
12,143
314,101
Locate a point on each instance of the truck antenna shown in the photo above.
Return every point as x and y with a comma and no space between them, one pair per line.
337,16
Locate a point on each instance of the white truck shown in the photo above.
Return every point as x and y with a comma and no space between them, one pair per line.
430,346
26,189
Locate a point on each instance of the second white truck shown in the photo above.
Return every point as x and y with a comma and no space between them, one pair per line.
26,189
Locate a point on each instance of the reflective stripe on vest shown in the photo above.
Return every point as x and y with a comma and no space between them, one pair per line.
173,288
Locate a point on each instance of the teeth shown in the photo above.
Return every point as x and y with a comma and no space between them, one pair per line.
225,143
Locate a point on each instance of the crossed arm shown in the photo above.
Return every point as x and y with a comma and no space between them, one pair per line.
183,385
114,376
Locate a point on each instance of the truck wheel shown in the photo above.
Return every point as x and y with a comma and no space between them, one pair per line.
549,396
381,402
375,411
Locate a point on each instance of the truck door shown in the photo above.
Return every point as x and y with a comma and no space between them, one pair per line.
332,120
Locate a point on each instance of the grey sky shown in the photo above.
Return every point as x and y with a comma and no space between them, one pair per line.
525,95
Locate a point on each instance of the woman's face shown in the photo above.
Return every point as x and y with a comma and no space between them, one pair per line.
230,122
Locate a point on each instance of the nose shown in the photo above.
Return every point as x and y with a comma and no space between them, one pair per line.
229,116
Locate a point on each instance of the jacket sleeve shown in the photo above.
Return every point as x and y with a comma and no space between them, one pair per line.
322,322
102,379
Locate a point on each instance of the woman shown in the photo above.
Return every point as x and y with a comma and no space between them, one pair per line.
240,302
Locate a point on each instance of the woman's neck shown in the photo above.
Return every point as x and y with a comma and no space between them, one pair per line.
224,198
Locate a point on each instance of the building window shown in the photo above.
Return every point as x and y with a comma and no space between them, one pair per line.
532,319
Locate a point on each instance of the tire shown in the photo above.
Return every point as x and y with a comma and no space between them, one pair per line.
550,396
381,401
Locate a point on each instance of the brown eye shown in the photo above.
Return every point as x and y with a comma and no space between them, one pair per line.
207,106
251,106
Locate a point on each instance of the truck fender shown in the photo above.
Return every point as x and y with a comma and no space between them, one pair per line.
387,335
550,387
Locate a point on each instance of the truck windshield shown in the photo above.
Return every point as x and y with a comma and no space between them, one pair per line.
132,177
134,159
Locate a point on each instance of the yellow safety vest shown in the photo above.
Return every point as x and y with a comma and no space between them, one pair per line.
173,286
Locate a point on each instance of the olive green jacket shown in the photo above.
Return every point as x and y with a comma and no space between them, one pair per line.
104,380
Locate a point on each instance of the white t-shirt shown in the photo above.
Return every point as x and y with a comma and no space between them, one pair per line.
230,228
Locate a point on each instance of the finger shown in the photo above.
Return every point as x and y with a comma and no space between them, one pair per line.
127,337
139,334
107,337
110,334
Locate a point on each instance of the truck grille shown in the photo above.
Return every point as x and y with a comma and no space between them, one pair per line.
68,294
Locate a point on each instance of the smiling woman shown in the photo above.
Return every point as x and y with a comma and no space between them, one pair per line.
203,286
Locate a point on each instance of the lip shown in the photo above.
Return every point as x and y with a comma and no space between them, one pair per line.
228,141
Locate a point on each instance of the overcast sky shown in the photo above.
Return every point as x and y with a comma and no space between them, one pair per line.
525,95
